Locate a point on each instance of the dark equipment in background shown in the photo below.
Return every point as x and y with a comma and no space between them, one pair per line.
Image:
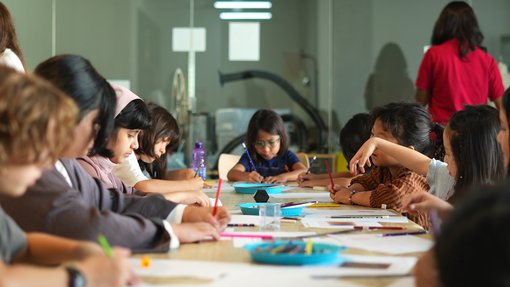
292,93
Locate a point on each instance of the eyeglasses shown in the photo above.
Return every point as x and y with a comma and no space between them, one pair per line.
270,144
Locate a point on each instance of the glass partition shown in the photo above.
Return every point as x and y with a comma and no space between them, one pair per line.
319,62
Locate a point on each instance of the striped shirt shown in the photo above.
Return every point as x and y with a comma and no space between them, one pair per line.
390,190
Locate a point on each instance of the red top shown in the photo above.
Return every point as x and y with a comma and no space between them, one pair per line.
453,82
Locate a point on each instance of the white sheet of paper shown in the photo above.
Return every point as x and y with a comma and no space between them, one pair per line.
181,37
225,187
237,274
241,242
313,222
390,244
398,266
311,195
176,268
244,41
354,212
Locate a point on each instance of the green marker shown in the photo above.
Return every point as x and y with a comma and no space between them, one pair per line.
105,245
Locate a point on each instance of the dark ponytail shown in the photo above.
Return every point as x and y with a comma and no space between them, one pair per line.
437,132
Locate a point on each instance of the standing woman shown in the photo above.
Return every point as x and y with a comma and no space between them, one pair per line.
457,70
10,52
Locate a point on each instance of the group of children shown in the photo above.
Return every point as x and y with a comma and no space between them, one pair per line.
88,159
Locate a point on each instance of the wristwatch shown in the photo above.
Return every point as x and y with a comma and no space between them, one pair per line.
353,192
76,278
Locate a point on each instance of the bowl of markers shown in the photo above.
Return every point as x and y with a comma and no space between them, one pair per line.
295,252
286,209
251,188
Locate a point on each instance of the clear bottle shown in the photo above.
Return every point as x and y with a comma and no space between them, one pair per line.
198,163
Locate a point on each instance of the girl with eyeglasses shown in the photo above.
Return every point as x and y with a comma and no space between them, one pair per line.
268,158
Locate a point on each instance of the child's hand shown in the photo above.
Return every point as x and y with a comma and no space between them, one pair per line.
340,194
196,183
362,156
424,201
305,176
193,232
334,189
275,179
189,197
204,214
101,270
255,177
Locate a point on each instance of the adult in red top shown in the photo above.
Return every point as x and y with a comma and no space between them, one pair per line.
457,71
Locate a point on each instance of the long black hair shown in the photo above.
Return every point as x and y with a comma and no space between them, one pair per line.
458,21
270,122
473,248
475,149
163,127
409,123
76,76
134,116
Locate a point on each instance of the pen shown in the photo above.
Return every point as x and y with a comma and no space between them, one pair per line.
249,157
434,222
239,235
311,164
330,176
198,167
241,225
360,216
215,208
379,227
404,233
105,245
298,204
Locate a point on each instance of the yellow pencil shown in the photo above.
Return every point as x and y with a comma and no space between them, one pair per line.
309,247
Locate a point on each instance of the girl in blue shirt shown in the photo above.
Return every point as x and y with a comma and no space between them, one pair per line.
268,146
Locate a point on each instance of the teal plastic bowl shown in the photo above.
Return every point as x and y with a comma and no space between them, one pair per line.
251,188
321,253
253,209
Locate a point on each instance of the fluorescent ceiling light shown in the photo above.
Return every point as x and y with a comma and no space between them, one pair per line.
242,4
245,15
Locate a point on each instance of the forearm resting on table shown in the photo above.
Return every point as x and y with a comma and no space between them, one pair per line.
45,249
164,186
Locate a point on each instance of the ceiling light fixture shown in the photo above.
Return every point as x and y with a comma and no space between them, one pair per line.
245,15
242,4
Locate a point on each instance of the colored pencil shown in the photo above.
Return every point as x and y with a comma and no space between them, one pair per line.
405,233
311,164
215,208
330,176
105,245
249,157
241,235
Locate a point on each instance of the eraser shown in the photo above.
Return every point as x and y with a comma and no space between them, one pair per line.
319,188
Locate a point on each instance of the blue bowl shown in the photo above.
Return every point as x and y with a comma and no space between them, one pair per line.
321,253
253,209
251,188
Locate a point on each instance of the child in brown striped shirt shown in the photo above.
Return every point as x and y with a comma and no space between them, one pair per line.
406,124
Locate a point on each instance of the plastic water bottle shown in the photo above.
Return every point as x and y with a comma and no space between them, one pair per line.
198,163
